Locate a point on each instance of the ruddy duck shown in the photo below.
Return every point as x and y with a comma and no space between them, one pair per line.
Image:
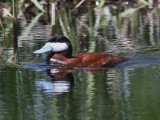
61,55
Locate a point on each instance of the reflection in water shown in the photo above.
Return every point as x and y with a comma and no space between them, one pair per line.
62,81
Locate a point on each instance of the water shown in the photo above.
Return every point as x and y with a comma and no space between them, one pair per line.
31,90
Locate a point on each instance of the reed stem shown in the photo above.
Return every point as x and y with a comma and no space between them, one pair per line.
53,19
53,13
15,8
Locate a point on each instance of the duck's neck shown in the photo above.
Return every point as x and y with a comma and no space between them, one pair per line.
63,53
49,57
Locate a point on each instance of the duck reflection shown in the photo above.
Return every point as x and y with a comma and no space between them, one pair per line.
62,80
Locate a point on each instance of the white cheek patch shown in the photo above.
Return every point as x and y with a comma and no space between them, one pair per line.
58,47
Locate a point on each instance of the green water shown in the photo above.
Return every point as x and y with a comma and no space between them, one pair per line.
116,94
30,90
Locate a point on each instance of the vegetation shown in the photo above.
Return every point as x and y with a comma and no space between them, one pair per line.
64,17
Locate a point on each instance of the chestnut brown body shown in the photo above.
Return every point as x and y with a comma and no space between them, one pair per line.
86,60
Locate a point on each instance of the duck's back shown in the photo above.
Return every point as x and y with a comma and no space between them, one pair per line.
99,60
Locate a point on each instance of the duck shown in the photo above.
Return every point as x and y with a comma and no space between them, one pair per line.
60,55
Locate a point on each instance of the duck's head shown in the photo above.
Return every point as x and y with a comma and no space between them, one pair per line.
57,44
